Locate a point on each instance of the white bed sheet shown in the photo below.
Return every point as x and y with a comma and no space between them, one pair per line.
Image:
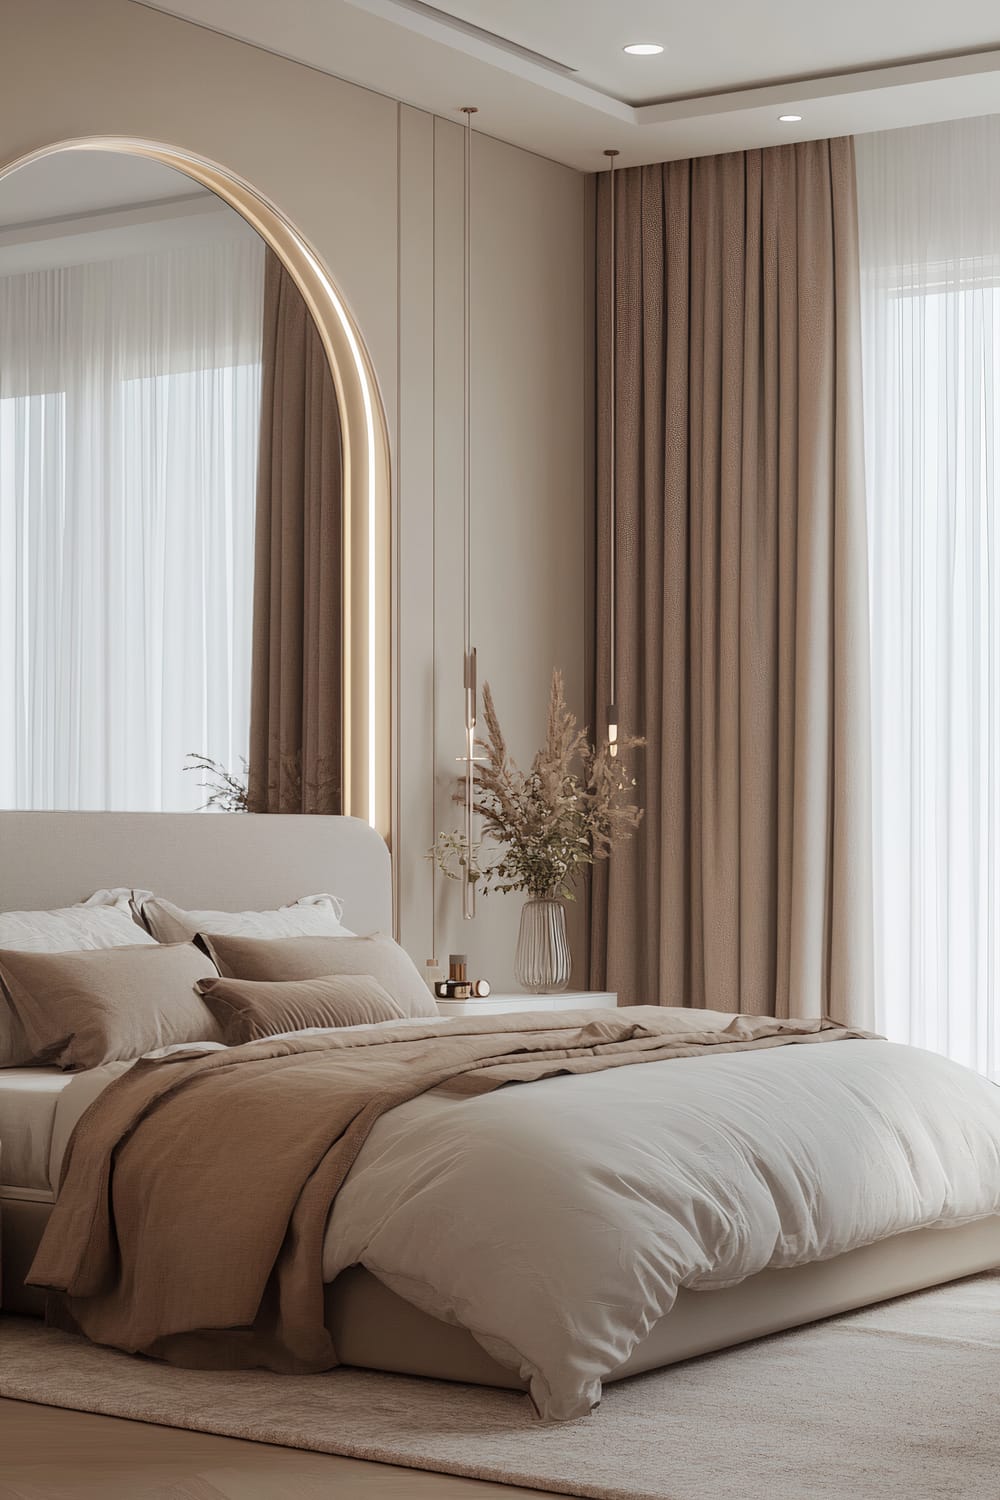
29,1104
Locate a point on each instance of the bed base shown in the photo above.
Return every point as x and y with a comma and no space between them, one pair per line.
375,1329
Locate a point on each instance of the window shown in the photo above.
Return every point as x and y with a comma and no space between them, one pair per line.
129,414
930,252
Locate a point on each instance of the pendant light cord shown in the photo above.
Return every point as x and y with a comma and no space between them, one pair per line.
613,486
468,110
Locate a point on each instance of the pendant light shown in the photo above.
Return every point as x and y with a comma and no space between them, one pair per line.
612,487
469,650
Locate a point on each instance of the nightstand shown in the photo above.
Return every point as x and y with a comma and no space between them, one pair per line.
497,1004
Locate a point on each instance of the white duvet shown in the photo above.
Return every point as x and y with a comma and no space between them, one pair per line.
557,1220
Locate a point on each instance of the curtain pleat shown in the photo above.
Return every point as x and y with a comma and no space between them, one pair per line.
296,699
741,585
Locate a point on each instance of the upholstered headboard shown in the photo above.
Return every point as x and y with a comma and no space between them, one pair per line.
235,861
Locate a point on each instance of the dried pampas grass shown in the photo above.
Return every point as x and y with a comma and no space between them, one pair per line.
547,824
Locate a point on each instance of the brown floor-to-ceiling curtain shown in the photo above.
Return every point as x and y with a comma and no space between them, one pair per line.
296,700
742,585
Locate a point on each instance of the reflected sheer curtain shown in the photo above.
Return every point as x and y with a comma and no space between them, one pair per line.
742,586
129,414
930,258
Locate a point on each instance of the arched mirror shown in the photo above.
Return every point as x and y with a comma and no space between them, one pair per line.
193,501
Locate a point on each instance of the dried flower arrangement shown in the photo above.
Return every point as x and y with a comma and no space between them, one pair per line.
548,823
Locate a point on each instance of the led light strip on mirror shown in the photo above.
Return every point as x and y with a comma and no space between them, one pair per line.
469,651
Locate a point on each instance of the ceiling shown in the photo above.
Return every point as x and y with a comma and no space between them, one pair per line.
70,184
551,76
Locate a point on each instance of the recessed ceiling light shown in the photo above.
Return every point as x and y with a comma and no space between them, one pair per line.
643,49
789,119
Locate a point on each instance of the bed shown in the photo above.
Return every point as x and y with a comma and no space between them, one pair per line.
49,859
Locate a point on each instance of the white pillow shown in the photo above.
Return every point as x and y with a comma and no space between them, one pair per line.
104,920
310,916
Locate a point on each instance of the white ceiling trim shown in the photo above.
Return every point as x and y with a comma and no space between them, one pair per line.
431,20
497,52
829,86
111,234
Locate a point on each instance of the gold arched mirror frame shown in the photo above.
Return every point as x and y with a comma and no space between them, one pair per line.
367,626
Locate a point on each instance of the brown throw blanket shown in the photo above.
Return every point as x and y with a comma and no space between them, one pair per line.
197,1187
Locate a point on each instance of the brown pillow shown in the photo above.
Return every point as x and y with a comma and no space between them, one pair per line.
317,957
248,1009
107,1004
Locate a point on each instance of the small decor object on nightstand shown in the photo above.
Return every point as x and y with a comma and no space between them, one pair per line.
548,824
458,985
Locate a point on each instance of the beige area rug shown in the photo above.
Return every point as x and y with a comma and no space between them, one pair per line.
901,1402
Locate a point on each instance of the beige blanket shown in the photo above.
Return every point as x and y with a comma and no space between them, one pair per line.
196,1189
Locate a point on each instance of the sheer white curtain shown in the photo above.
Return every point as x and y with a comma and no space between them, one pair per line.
129,416
929,204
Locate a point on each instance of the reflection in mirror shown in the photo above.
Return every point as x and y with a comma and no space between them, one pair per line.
170,503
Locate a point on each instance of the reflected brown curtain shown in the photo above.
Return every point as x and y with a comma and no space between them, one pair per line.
742,586
296,699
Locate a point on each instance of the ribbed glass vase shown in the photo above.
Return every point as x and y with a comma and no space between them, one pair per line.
543,962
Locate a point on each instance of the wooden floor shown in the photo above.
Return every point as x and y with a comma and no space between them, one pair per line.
50,1454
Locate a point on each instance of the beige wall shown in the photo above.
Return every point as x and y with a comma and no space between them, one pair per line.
377,188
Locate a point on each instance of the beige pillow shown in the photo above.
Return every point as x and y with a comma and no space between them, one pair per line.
80,1010
248,1009
104,920
316,957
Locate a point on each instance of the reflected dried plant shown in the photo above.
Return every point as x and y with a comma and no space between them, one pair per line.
227,790
546,824
285,791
